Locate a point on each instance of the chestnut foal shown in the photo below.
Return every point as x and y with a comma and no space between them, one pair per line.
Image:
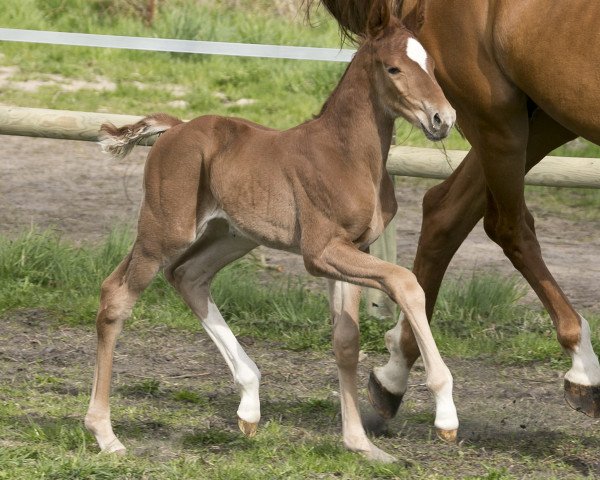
215,188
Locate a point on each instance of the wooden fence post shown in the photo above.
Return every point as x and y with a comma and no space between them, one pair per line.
385,247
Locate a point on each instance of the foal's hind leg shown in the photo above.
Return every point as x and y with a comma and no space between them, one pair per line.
118,295
192,276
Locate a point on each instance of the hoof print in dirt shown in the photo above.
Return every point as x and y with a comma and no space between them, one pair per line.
386,404
583,398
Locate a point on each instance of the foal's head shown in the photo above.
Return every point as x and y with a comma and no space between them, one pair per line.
402,74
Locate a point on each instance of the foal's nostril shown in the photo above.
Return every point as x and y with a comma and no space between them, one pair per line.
437,121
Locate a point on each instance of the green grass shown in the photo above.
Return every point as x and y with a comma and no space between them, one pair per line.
41,434
475,316
287,92
174,431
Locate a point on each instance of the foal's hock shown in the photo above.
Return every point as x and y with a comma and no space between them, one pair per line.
217,187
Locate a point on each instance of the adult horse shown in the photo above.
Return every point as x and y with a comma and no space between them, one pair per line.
518,73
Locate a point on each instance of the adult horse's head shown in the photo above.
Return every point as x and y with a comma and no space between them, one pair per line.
403,74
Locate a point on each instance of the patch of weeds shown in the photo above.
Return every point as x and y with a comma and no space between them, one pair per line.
426,418
372,331
47,380
326,449
496,474
468,307
481,315
47,383
64,433
316,406
220,439
146,388
187,396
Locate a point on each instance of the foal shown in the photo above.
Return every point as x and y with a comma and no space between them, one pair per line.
215,188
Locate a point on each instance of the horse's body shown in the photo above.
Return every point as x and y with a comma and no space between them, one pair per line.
215,188
524,78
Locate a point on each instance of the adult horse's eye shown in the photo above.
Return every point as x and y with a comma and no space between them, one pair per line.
393,70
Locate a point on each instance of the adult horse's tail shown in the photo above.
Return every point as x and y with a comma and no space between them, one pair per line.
119,141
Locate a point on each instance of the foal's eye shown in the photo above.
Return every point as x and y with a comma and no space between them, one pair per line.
393,70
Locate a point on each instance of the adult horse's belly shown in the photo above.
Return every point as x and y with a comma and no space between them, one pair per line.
551,51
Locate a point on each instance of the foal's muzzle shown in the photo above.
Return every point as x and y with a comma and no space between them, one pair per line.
439,122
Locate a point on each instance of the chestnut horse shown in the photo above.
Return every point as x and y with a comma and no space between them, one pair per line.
519,75
215,188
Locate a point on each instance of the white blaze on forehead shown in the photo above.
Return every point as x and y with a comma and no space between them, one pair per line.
416,52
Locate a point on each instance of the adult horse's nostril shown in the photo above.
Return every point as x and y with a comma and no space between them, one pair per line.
437,121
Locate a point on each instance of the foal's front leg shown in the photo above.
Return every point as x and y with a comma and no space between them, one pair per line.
342,260
344,300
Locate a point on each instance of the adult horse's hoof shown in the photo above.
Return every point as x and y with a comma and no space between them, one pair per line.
448,436
583,398
385,403
247,428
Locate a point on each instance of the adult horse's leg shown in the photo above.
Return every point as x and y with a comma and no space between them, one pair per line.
505,223
191,276
344,300
450,211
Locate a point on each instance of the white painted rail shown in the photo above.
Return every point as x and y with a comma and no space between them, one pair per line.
176,45
404,161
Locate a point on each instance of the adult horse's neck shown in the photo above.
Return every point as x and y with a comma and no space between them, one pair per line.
354,114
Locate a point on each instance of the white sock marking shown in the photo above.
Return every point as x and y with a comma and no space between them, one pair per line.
245,372
417,53
585,369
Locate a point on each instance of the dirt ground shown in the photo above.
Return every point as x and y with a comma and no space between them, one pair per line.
74,188
506,422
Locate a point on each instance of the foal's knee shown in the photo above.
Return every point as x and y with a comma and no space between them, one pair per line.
346,343
407,288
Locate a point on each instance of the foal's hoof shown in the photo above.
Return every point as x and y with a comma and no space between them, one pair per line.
385,403
114,448
583,398
448,436
247,428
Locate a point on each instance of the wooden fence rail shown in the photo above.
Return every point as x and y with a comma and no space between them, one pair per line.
403,161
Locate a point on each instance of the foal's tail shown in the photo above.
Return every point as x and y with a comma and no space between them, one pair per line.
119,141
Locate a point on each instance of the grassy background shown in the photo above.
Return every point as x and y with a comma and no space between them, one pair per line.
40,414
287,92
477,316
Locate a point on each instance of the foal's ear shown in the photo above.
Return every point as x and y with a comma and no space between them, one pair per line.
379,18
